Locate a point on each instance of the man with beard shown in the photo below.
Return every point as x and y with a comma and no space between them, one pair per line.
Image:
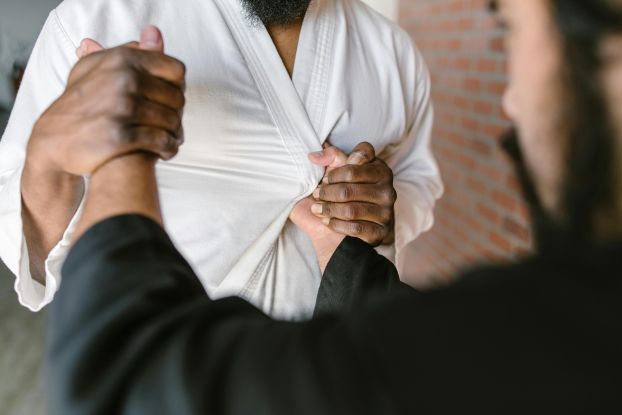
542,336
268,82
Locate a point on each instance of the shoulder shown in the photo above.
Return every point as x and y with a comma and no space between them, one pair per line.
377,28
389,42
373,22
506,289
108,21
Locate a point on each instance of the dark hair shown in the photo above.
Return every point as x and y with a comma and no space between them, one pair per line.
590,181
275,12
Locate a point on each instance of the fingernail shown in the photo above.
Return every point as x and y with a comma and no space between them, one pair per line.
326,221
151,37
357,158
317,208
316,154
316,193
325,180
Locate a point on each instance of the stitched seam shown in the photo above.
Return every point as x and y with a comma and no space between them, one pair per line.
273,102
61,27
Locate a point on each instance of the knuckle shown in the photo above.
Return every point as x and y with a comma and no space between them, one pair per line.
181,98
349,173
350,212
388,196
345,193
386,215
322,193
127,80
178,68
357,228
118,133
171,145
176,121
117,56
392,195
326,209
181,67
125,106
181,137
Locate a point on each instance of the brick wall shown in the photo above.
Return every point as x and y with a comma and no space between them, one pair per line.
481,216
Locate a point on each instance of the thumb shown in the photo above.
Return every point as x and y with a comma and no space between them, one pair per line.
330,157
151,39
362,154
89,46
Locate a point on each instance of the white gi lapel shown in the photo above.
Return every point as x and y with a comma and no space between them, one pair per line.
287,109
314,62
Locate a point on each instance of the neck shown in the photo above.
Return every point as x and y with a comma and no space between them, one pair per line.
285,38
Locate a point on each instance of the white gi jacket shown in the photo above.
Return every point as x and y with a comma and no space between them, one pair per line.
226,197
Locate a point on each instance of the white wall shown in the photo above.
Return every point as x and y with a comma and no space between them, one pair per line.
387,7
23,19
20,23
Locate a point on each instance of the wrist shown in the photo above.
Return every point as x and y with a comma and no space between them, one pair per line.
125,185
41,178
325,242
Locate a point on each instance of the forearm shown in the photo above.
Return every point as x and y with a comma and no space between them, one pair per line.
126,185
49,201
131,308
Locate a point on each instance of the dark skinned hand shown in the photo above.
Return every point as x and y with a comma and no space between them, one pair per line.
117,101
356,199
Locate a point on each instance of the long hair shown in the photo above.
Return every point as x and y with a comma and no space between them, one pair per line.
589,187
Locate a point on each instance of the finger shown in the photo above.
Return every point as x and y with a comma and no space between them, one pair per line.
363,153
150,139
374,172
330,157
151,39
152,114
161,66
163,92
154,63
88,46
345,192
90,55
354,211
371,233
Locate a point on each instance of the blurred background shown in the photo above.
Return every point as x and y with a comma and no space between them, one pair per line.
480,218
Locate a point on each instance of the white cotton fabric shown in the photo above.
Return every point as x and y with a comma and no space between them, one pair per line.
226,197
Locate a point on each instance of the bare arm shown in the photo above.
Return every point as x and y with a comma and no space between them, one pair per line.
117,102
49,201
126,185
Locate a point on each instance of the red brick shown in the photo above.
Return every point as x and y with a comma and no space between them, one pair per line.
481,217
500,242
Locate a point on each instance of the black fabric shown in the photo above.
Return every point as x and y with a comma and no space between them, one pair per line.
132,332
356,274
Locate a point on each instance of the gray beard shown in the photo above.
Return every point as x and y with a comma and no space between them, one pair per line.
275,12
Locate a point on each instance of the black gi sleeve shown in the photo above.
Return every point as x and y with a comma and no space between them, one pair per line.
357,274
132,331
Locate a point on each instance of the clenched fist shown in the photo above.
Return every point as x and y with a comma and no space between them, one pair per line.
117,101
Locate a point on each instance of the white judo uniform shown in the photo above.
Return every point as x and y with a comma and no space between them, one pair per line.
249,127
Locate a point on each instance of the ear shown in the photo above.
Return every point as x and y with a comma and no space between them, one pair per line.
610,52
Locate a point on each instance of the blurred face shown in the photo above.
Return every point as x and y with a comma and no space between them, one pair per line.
534,96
